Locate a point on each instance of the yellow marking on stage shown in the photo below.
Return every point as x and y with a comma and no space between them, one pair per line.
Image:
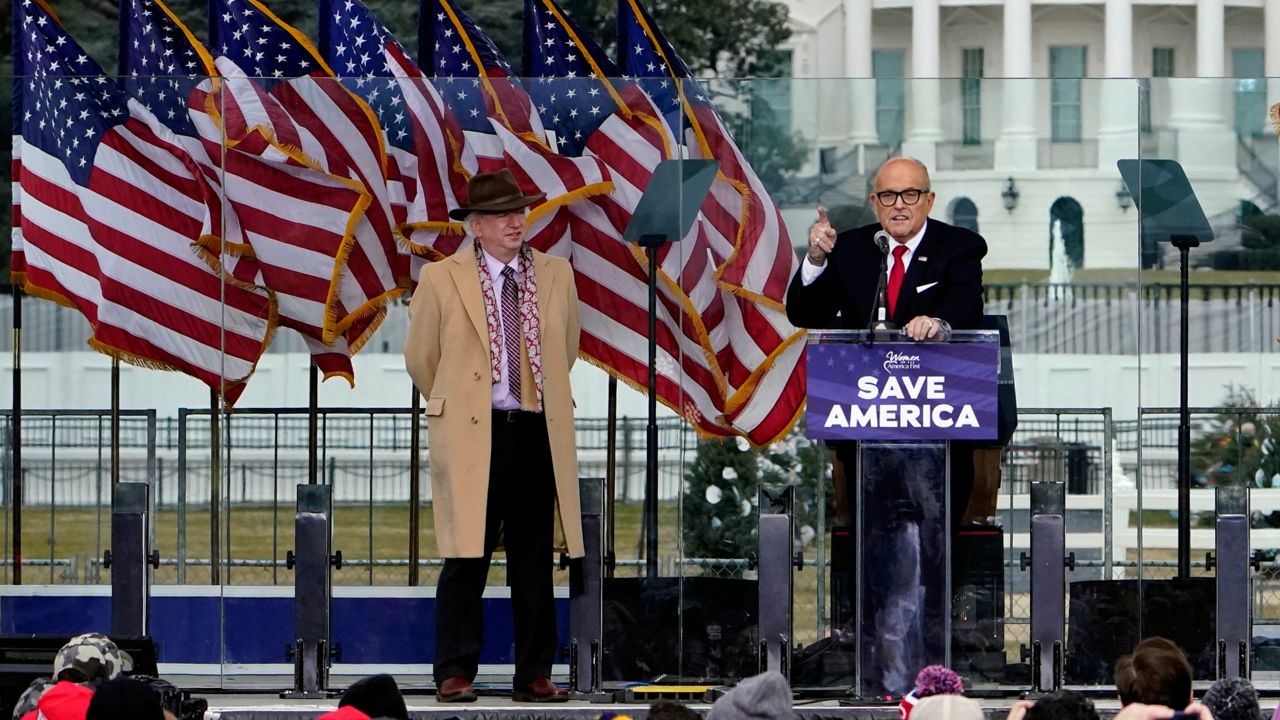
671,688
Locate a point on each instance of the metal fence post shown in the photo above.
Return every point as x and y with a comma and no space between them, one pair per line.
128,559
586,595
776,504
312,591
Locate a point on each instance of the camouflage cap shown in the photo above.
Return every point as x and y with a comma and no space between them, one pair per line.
31,696
94,658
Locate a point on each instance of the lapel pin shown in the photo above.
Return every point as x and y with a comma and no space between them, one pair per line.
922,258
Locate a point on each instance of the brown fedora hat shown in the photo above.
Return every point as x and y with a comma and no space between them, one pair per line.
495,192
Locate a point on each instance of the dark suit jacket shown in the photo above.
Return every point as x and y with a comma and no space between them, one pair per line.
944,280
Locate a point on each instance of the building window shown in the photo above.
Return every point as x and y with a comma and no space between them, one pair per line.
887,69
1067,214
971,95
1066,67
775,95
964,214
1161,67
1250,91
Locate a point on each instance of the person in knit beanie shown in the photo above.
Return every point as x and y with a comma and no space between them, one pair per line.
933,680
124,698
766,696
1233,699
947,707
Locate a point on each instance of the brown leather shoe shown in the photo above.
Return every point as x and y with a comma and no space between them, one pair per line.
456,689
540,690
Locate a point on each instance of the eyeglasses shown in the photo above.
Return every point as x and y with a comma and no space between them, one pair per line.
910,196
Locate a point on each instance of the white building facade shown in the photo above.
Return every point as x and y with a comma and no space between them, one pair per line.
1021,110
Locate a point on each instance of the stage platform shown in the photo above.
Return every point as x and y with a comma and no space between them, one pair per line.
424,707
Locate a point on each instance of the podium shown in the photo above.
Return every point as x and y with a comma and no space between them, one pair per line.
902,402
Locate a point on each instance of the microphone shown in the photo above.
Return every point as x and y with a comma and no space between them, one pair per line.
880,311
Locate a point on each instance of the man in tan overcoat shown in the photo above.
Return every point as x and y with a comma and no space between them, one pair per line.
493,332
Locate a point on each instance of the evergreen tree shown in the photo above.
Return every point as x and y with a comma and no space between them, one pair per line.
720,510
1238,447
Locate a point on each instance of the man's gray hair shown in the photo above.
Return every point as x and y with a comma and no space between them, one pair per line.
466,223
875,179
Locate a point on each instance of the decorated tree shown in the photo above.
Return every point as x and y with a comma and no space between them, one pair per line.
1238,446
720,508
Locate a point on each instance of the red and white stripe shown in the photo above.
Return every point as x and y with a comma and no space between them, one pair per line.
334,141
120,251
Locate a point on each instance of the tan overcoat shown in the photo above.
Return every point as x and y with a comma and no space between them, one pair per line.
447,355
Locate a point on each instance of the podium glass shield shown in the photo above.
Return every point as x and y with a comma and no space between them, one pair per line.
893,410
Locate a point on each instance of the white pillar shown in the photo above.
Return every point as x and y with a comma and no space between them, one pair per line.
1197,105
1016,147
1119,38
1118,119
1271,42
924,96
1271,47
857,66
1210,38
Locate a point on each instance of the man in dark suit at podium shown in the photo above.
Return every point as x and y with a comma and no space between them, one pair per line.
935,269
934,281
933,285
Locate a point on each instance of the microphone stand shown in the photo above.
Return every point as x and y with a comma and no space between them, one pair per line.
879,322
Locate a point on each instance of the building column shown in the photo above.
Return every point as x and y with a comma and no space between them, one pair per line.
924,91
1271,47
1210,38
1197,105
861,89
1271,39
1016,146
1118,122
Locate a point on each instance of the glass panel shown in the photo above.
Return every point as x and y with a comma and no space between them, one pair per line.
1092,305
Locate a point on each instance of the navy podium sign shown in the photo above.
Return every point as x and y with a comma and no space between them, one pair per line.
902,390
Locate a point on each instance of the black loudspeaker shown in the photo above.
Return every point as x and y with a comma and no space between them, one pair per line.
977,603
698,628
24,658
1108,617
842,581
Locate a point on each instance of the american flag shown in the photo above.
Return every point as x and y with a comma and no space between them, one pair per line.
316,122
424,142
166,68
500,121
760,352
476,80
111,206
577,96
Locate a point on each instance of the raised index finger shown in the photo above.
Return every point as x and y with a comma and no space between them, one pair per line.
822,219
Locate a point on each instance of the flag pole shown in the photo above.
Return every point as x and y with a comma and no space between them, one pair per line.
611,477
115,423
313,426
15,425
415,480
215,490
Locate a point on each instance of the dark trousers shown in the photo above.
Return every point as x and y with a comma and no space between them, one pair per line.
521,504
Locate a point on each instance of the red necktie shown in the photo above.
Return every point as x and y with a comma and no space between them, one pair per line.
895,277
